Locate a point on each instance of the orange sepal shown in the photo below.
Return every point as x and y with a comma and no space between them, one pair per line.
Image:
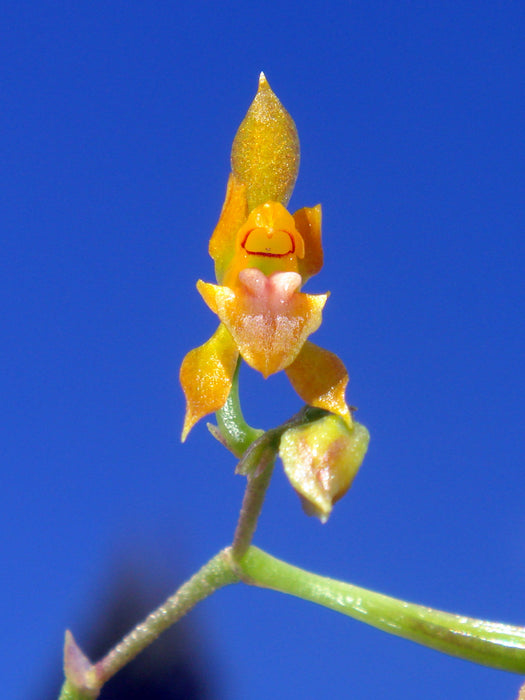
320,379
206,376
308,223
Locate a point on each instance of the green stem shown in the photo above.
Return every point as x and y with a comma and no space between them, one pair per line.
487,643
235,432
70,692
84,680
217,573
253,500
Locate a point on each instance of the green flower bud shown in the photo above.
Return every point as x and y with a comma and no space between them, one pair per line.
321,460
265,151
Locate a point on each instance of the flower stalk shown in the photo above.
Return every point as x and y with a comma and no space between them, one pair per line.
258,482
232,430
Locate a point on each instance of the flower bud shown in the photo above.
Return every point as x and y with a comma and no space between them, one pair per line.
265,151
321,460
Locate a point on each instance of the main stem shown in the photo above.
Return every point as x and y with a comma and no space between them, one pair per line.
488,643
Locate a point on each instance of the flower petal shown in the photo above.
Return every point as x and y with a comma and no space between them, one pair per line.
320,379
206,377
308,223
268,319
233,215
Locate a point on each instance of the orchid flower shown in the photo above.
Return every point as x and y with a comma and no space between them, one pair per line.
263,255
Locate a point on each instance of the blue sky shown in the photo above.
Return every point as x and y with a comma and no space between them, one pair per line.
116,124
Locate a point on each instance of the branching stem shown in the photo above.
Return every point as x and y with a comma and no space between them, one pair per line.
84,681
488,643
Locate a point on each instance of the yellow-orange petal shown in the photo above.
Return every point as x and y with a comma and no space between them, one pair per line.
308,223
268,319
320,379
233,215
206,376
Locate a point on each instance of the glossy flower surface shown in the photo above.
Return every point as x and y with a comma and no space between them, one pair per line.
263,255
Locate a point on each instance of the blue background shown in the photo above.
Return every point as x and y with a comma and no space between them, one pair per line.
116,123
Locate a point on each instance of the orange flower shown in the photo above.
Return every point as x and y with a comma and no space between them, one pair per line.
263,255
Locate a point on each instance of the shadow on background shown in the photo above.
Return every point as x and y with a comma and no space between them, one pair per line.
176,667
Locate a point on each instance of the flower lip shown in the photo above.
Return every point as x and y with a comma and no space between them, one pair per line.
269,294
269,242
268,319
